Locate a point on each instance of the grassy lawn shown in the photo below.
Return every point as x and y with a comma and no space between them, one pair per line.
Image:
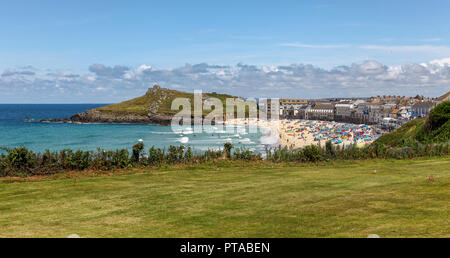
340,200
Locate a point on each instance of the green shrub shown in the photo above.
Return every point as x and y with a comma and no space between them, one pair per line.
137,151
312,153
188,155
227,148
438,116
245,154
120,158
21,161
330,150
155,156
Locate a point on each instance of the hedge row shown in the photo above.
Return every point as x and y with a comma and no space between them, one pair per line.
23,162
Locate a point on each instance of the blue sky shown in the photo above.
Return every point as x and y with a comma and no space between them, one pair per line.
68,37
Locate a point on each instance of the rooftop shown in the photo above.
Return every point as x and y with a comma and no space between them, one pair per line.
444,97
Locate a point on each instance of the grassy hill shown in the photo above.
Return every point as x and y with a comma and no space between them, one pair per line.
433,129
160,100
155,107
403,135
344,199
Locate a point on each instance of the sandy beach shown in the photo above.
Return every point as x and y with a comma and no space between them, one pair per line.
300,133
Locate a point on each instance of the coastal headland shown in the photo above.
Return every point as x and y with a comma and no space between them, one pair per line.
155,107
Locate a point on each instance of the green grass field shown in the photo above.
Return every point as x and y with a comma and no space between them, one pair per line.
337,200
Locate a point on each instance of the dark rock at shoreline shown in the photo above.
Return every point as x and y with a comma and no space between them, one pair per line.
93,116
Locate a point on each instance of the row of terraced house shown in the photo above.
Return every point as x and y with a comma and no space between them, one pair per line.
388,112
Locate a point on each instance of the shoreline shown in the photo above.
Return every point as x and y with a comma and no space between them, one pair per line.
300,133
272,138
294,134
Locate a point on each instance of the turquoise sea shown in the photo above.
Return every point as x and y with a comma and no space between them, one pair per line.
20,126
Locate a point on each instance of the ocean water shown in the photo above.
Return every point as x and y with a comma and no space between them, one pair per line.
15,131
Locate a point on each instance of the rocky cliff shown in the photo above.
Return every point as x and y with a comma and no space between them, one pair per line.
95,116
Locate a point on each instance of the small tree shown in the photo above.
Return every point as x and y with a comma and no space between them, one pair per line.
137,150
330,149
188,155
227,148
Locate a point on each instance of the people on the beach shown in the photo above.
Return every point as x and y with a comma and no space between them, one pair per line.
302,133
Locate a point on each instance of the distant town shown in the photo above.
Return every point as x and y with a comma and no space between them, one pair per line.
386,112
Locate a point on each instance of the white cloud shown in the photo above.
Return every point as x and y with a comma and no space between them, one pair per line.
106,71
441,62
101,89
295,80
143,68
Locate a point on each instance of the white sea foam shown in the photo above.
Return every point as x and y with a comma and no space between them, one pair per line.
246,141
163,132
184,139
213,148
